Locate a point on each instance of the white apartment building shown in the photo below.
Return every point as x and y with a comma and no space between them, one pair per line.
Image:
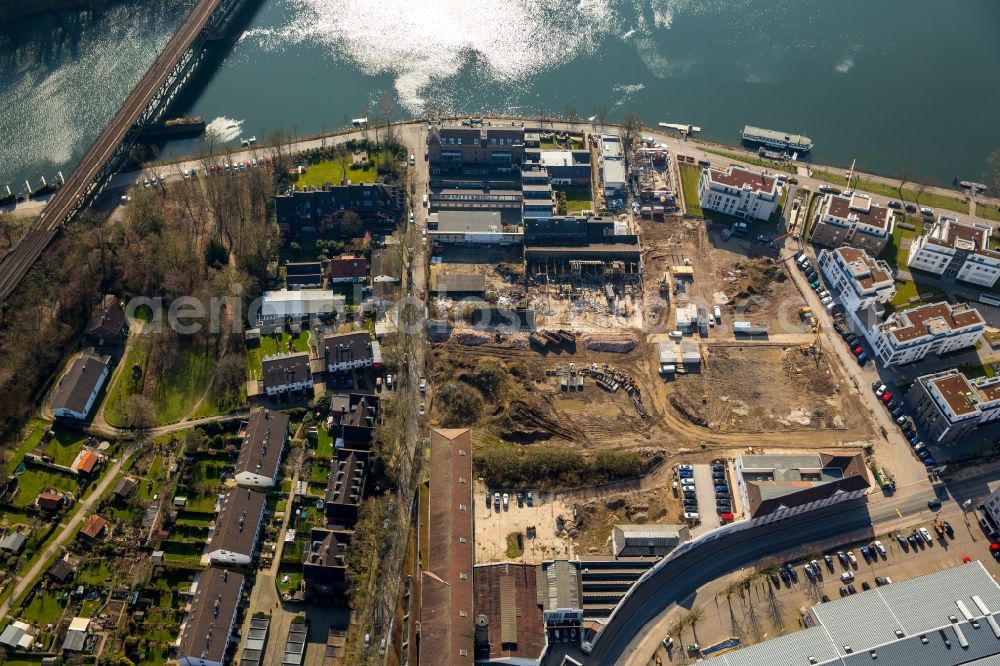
936,328
957,251
858,281
852,220
739,192
949,405
297,304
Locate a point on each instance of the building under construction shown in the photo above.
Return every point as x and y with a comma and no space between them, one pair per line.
579,248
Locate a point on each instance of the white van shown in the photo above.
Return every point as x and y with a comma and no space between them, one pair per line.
718,314
691,515
676,335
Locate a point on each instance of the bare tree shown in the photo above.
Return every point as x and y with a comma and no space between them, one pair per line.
904,177
388,110
571,114
140,412
633,130
601,116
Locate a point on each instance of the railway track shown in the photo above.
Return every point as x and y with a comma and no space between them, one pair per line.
72,194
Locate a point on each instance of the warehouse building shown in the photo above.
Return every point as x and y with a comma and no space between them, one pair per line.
946,618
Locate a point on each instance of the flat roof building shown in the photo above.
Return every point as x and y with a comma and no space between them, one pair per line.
781,484
208,628
263,447
78,387
458,285
473,226
957,251
447,618
948,405
739,192
304,275
859,282
299,304
945,618
853,220
233,539
559,593
935,328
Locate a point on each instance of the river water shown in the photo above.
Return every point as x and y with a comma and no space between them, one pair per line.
900,85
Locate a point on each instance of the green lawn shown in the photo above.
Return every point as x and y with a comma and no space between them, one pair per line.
751,158
689,181
909,194
64,446
988,211
45,608
269,346
568,144
36,479
577,199
293,573
328,171
125,386
324,442
183,383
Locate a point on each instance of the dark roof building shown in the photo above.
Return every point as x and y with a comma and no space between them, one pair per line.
13,542
125,487
347,268
355,416
78,388
347,351
509,627
315,210
779,483
447,628
109,325
304,275
60,571
205,634
323,569
345,488
237,527
263,446
286,373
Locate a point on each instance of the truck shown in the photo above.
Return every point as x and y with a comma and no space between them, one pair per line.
718,314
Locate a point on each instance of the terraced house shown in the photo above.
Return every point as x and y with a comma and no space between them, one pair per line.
852,220
957,251
936,328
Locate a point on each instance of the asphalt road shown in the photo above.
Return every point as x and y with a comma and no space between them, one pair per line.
679,579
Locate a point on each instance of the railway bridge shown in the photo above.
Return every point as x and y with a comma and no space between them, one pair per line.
146,104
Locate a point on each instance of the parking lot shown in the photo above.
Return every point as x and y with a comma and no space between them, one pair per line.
538,525
702,498
763,604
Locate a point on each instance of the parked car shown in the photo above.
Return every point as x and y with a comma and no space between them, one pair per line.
948,529
722,490
842,556
691,516
902,541
850,556
496,500
924,534
530,499
862,359
847,576
910,208
688,468
852,589
866,553
865,586
880,581
685,473
506,500
894,204
881,389
829,562
844,591
880,548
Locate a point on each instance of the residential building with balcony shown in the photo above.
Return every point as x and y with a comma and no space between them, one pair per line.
264,438
858,281
474,151
238,523
948,405
957,251
738,192
208,628
936,328
852,220
321,209
286,374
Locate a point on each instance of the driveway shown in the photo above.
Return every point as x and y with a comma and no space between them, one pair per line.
706,499
891,448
